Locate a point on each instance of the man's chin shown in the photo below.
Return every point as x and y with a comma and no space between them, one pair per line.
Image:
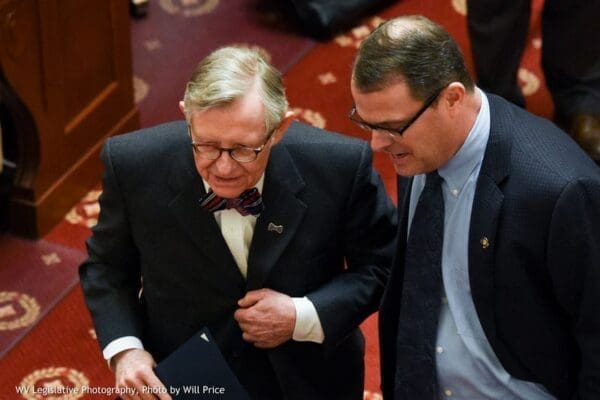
406,166
228,192
406,171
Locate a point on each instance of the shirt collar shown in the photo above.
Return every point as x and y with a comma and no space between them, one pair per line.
456,171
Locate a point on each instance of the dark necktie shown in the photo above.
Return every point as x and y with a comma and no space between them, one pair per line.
248,203
416,374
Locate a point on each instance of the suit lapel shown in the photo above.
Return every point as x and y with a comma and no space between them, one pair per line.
390,304
487,206
278,223
187,188
393,290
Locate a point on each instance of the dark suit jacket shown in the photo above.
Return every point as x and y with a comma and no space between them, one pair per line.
152,234
536,287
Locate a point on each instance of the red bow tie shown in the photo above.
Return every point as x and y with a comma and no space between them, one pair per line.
249,202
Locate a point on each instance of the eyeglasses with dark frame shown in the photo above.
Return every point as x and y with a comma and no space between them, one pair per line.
394,131
241,154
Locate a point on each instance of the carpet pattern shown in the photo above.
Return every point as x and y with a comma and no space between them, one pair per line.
34,276
60,352
59,359
177,34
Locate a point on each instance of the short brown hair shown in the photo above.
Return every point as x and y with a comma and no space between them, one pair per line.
412,49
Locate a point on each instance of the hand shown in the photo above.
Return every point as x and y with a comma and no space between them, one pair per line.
133,370
267,318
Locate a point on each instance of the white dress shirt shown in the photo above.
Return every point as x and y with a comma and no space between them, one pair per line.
237,230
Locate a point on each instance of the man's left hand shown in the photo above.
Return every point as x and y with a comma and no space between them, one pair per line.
267,318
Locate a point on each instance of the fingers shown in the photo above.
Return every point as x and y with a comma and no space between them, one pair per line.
257,342
252,329
264,341
252,297
266,318
241,315
151,388
266,333
154,382
145,386
265,346
135,377
130,390
248,337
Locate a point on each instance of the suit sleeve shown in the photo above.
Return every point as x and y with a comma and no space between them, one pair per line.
369,241
574,261
110,277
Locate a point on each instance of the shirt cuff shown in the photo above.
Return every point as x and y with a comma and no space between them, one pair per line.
121,344
308,326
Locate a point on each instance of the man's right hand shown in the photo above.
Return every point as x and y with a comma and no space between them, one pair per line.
134,370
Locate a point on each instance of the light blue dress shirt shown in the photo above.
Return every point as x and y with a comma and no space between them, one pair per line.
467,366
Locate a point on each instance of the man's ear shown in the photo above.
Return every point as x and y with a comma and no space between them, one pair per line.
455,95
182,107
283,126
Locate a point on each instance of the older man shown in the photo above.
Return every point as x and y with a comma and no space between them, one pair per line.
186,240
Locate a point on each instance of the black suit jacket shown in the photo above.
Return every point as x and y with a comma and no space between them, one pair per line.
536,288
336,248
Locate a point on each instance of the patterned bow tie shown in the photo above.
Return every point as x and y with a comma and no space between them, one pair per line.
249,202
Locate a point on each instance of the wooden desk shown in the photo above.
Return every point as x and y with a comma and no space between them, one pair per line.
66,80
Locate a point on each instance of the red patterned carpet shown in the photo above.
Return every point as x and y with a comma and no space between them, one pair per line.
60,350
23,300
169,42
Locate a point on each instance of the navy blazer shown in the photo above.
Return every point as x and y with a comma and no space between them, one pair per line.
536,288
336,248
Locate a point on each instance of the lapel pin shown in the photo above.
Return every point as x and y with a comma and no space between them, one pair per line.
485,243
275,228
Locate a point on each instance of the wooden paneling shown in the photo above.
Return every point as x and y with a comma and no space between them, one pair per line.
65,75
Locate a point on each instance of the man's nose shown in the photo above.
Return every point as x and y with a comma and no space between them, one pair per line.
380,140
225,164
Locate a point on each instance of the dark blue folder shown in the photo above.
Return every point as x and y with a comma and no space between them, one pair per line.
198,370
